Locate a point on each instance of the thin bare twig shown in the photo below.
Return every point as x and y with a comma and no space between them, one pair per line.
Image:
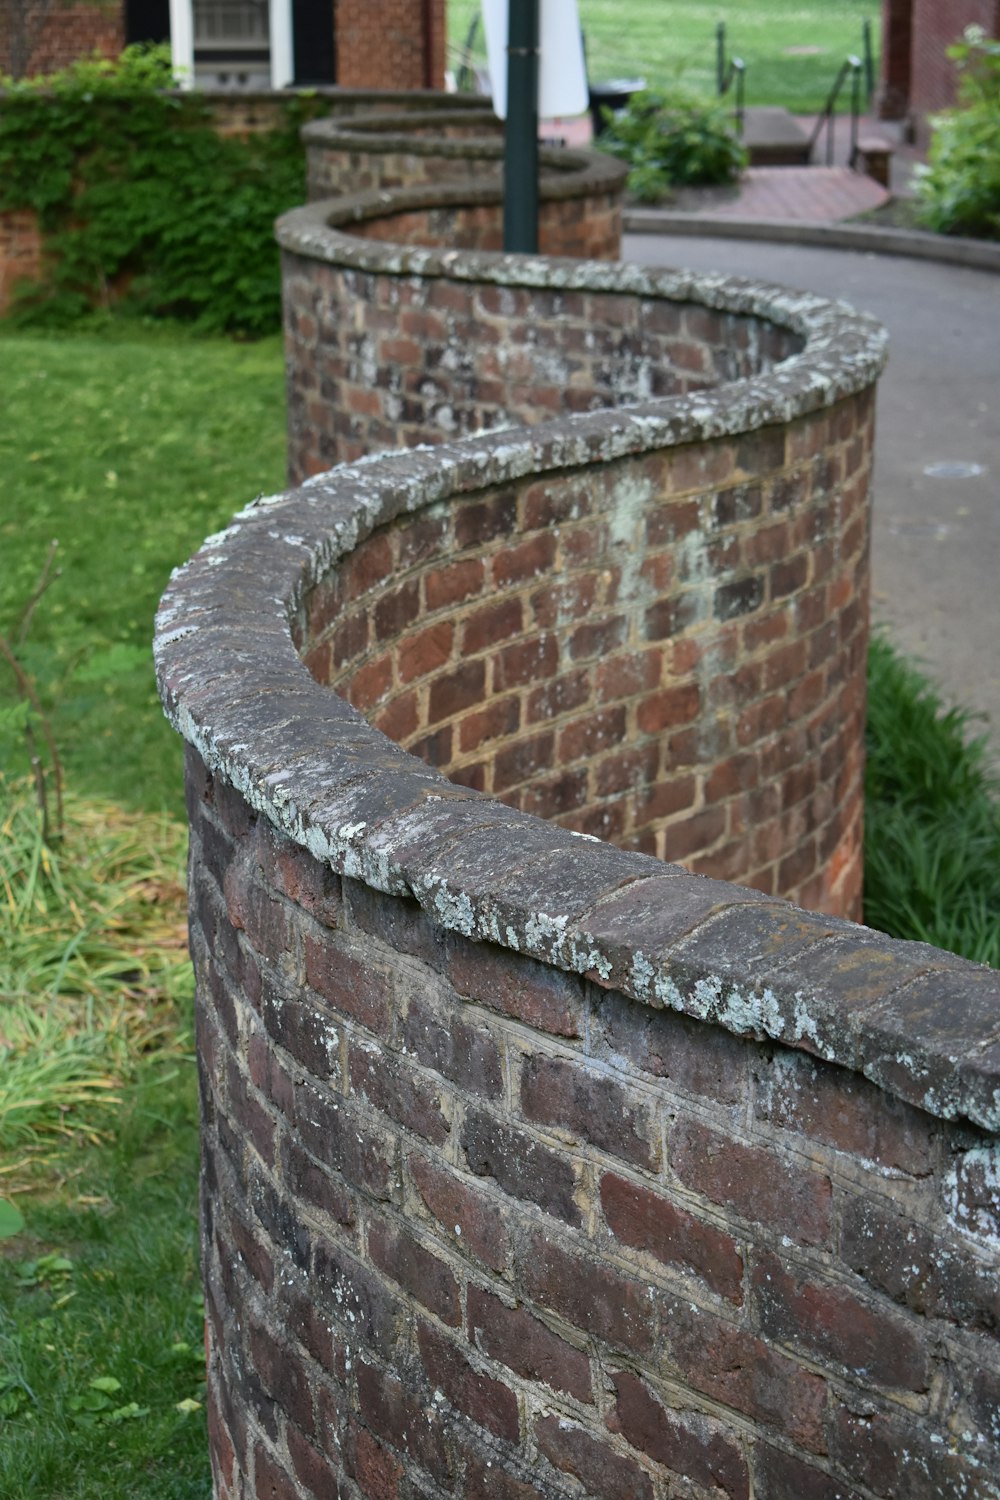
45,577
27,690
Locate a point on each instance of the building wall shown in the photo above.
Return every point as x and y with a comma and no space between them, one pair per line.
396,44
68,32
917,76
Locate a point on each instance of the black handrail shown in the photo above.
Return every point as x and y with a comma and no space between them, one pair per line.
725,75
851,66
466,76
866,35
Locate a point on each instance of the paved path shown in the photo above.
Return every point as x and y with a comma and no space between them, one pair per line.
820,194
936,540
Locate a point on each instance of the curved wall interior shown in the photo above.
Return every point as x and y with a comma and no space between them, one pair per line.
536,1167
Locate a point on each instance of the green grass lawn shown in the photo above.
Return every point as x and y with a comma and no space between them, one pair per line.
792,49
128,449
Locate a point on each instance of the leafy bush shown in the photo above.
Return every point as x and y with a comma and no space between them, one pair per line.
142,204
674,138
932,819
959,190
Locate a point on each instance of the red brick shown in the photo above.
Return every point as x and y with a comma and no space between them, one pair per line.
485,1480
524,560
399,1091
588,736
558,696
470,1216
591,1106
402,1420
841,1109
370,683
592,1297
755,1182
341,1138
270,1481
283,1375
684,1442
500,718
457,691
517,986
378,1472
735,1367
526,1346
453,582
487,627
318,1476
831,1324
648,1221
520,1165
488,1402
781,1476
348,984
525,663
599,1468
416,1269
668,708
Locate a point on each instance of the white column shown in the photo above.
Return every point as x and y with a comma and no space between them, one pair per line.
182,41
282,56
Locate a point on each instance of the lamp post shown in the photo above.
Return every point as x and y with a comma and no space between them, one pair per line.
520,206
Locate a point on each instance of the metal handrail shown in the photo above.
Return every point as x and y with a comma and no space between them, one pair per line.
851,66
725,75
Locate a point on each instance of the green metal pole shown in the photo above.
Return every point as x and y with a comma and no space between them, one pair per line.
520,199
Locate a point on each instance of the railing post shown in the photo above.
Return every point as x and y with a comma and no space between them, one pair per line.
869,60
520,188
855,108
720,58
741,73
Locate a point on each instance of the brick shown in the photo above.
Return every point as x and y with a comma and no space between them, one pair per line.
524,560
356,1300
370,684
525,662
590,1106
481,521
697,1058
526,1346
402,1420
471,1218
315,1473
559,696
305,1031
488,1402
348,984
500,718
782,1476
517,986
646,1220
593,1297
754,1182
465,1053
270,1480
890,1455
398,1091
416,1269
732,1365
599,1468
918,1268
283,1375
453,583
485,1480
833,1325
843,1110
520,1165
588,736
344,1139
485,628
456,692
377,1471
420,655
669,708
396,610
684,1442
521,761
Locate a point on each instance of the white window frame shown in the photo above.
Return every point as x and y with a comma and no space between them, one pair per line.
280,33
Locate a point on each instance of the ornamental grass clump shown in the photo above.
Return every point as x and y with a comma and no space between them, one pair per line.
673,138
959,189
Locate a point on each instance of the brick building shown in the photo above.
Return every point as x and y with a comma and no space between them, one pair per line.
396,44
917,76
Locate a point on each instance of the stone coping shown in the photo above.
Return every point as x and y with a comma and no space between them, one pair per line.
921,1023
348,130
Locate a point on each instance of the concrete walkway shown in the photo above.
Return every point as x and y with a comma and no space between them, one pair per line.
936,535
817,194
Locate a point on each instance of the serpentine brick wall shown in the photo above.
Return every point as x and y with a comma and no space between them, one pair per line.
536,1167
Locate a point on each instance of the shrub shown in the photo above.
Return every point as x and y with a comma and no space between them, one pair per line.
932,819
674,138
142,204
959,190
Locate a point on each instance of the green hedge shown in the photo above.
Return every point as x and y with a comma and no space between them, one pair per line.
143,206
959,189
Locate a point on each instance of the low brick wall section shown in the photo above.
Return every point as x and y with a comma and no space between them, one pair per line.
536,1168
21,253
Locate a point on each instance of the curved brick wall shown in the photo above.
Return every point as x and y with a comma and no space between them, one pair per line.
536,1167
